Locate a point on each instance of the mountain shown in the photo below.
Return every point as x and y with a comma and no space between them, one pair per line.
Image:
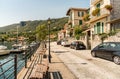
25,26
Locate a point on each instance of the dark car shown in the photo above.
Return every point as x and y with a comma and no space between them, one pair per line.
108,50
77,45
59,42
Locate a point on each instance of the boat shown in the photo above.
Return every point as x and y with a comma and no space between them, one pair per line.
16,48
4,50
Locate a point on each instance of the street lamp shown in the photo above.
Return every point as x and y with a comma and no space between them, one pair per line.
49,56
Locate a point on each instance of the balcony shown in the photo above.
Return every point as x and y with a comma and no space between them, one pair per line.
103,13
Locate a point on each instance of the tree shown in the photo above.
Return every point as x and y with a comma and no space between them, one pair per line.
77,32
41,32
103,36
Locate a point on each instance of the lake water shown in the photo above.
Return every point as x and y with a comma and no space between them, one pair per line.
8,57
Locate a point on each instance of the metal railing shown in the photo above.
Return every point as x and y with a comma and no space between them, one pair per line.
10,68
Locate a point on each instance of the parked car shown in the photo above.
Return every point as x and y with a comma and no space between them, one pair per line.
59,42
66,44
63,42
108,50
77,45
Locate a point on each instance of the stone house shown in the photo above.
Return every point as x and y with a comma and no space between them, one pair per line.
105,20
75,18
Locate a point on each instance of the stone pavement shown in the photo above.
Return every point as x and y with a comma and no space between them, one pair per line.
56,65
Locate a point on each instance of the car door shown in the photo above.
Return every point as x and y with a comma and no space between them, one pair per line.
101,50
109,51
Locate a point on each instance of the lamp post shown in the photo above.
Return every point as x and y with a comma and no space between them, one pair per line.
49,56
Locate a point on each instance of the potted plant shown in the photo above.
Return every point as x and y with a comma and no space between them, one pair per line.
108,7
86,17
96,11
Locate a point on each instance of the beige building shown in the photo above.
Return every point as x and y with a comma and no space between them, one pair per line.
105,20
98,22
75,18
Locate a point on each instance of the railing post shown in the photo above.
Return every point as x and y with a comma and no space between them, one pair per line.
30,52
15,67
25,59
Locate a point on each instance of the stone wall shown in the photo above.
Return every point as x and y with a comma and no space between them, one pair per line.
115,13
96,40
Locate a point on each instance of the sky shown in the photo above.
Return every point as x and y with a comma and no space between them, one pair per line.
14,11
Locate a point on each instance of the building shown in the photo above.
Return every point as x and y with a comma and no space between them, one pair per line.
105,18
75,18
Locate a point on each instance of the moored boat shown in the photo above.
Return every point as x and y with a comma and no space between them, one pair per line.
4,50
16,48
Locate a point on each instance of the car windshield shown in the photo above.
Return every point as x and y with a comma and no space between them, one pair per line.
115,46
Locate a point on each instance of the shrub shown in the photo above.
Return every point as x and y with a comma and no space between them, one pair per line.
77,37
86,17
96,11
108,7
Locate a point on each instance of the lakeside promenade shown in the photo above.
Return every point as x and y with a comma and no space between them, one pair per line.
55,66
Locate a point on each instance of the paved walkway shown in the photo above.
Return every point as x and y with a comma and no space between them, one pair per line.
56,65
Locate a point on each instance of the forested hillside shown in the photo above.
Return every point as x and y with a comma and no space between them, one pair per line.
56,25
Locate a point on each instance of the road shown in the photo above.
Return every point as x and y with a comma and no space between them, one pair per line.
84,66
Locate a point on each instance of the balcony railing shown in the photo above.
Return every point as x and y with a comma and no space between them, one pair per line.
103,11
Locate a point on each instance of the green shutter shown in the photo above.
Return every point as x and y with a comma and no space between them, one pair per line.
98,27
78,13
82,14
102,27
98,5
95,31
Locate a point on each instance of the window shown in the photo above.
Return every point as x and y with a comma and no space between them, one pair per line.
98,6
80,22
99,27
80,14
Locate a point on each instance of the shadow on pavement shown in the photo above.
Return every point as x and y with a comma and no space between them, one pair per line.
56,62
54,75
60,51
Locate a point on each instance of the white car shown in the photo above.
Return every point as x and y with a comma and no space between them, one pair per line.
64,42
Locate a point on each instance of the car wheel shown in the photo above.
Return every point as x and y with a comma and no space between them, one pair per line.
116,60
93,54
